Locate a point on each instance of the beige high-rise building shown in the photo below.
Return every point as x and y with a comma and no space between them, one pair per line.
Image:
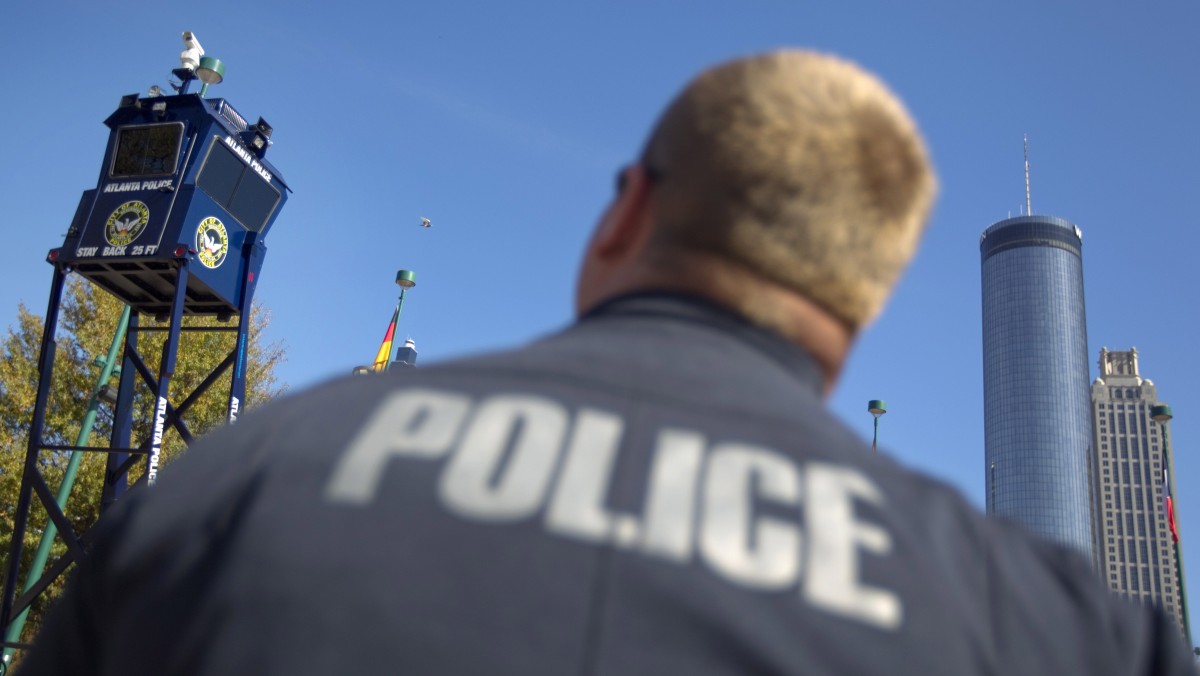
1131,459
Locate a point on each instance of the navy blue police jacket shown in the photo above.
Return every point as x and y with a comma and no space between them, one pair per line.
658,489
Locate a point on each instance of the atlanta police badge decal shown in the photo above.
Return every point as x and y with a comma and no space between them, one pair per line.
126,223
212,242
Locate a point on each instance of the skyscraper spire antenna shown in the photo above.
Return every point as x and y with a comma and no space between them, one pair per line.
1028,203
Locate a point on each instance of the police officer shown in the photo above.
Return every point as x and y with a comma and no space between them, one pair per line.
658,489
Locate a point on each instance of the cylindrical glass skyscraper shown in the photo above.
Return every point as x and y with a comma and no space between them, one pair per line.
1037,415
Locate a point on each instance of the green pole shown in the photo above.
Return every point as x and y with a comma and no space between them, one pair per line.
1187,627
405,279
68,482
876,407
1162,414
392,355
1183,608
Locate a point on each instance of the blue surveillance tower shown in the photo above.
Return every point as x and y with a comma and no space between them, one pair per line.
175,227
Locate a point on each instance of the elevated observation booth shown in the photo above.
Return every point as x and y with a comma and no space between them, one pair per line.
183,179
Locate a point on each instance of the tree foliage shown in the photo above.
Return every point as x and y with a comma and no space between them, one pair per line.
87,321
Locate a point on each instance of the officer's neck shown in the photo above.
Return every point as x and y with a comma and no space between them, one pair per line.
762,302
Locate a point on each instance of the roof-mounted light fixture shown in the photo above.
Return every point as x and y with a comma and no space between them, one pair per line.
211,71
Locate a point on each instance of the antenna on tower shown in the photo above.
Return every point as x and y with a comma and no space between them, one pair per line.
1028,204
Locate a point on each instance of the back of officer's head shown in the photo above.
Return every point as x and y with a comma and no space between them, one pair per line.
796,167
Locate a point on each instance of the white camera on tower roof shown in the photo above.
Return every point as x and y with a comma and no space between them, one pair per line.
190,56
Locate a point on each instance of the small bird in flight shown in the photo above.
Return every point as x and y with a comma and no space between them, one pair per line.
425,222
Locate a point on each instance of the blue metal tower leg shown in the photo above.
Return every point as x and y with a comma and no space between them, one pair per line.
45,369
116,480
237,389
165,370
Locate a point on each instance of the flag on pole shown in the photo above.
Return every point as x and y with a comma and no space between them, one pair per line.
385,349
1170,507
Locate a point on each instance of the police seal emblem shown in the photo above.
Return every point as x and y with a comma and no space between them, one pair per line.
126,223
212,242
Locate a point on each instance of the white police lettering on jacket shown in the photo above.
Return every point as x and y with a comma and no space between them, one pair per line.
699,499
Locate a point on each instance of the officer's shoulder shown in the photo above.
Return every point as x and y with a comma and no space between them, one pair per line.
948,515
1033,569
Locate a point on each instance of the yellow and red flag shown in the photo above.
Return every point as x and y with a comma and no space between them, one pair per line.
385,349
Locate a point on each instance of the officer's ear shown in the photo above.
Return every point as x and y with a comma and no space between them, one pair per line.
625,228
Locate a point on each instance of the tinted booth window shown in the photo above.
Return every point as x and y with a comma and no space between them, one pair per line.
147,150
237,188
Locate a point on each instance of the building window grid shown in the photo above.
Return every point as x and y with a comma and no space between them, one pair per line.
1144,571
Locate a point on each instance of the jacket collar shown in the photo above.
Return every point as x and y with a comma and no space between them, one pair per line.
684,307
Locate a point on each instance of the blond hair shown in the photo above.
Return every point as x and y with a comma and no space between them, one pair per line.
799,168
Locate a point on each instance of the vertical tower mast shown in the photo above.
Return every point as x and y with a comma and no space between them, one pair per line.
1028,203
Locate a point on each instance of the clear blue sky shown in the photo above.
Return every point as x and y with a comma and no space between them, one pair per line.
504,122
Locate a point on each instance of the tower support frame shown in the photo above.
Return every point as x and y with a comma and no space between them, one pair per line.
122,455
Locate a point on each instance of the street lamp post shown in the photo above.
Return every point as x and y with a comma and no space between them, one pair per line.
876,407
1161,413
405,279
